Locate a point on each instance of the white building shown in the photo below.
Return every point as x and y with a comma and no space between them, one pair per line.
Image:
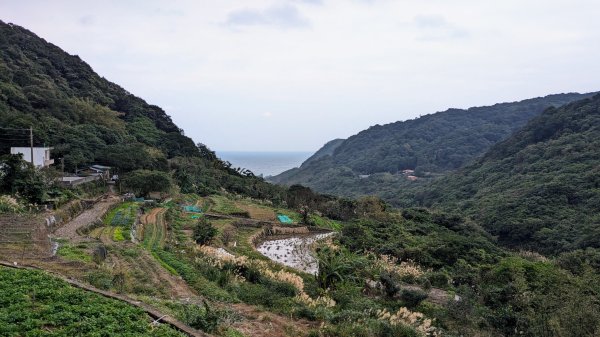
41,155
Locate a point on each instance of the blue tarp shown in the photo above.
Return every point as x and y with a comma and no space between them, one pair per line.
192,209
284,218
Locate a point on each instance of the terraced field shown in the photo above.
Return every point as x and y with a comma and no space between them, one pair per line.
257,212
23,237
154,231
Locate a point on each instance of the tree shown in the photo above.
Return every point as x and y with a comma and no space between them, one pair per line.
304,212
204,231
18,177
143,182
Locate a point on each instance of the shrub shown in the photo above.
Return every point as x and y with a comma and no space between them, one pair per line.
412,298
100,279
390,285
339,266
438,279
205,319
204,231
143,182
99,254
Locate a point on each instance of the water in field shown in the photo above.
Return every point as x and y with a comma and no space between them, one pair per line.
265,163
293,251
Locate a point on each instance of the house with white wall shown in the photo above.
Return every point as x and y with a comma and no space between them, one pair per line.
41,155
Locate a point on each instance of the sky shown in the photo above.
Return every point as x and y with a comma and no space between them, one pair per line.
290,75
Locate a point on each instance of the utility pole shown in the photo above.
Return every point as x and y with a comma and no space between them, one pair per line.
31,143
62,165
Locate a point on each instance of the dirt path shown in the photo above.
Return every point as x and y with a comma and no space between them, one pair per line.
69,230
154,227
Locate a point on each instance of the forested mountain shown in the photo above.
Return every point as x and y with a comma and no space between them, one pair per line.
538,189
84,116
431,145
88,119
327,150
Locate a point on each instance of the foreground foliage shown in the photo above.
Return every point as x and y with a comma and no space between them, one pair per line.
35,304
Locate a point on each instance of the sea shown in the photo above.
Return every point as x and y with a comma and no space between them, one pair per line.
264,163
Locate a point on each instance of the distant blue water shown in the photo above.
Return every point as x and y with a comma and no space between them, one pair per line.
265,163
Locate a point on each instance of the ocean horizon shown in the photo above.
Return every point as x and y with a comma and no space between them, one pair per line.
265,163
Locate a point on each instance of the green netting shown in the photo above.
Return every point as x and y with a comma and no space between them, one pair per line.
192,209
284,218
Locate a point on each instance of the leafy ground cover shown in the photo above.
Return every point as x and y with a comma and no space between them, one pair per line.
73,252
122,215
33,303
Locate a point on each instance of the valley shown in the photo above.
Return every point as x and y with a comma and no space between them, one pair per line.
467,222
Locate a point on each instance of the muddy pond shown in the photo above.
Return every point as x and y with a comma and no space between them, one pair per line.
293,251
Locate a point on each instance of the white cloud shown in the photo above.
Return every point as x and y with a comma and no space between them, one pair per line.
435,28
283,16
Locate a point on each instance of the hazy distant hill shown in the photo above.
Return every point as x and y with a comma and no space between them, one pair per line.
431,145
326,150
539,188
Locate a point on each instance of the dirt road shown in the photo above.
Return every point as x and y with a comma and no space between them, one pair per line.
69,230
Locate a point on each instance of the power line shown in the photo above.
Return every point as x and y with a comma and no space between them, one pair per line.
13,129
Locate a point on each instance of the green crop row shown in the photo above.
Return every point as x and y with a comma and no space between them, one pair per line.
32,303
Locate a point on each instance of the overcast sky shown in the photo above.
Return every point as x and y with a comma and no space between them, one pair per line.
277,75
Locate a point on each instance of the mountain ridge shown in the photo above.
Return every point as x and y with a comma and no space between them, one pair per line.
431,145
538,189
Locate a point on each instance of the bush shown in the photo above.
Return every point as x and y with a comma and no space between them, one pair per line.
100,279
204,231
390,285
438,279
205,319
143,182
412,298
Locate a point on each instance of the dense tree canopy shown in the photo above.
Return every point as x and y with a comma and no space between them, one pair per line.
540,188
86,118
431,145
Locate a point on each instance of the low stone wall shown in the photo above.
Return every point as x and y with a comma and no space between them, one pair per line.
267,231
67,213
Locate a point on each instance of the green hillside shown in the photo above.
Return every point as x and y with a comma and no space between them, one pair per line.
431,145
538,189
88,119
82,115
